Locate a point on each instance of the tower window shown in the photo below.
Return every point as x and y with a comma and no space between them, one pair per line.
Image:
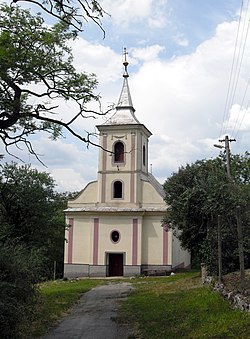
144,155
117,192
119,152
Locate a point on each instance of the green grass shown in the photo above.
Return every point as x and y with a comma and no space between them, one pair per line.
57,297
162,307
179,307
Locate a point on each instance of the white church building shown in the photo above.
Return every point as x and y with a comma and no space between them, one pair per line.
115,223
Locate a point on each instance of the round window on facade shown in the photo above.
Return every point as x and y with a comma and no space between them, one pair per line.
115,236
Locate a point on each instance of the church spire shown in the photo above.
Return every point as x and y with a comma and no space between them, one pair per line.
125,100
124,113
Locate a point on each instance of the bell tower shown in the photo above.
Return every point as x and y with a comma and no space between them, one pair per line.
123,156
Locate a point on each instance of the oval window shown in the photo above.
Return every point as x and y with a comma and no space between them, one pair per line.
115,236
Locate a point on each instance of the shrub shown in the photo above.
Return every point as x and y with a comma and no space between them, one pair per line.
18,294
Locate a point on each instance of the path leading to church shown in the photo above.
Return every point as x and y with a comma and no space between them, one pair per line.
94,317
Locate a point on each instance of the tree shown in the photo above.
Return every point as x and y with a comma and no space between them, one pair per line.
73,13
31,240
200,192
31,213
37,76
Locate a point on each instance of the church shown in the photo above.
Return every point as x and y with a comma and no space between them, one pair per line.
115,223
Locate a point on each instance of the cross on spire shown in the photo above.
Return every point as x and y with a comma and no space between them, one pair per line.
125,63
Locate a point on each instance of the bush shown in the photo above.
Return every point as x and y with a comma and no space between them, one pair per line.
18,294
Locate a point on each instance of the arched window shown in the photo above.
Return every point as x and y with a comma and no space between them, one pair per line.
117,189
119,152
144,155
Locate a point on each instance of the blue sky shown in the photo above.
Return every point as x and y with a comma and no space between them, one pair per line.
180,54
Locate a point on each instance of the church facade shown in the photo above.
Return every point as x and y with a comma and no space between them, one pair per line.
115,223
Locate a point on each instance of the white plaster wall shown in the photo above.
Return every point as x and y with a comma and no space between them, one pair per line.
124,226
88,196
152,240
82,241
179,254
150,195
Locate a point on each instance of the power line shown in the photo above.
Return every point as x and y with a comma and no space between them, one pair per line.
238,74
243,116
238,122
232,69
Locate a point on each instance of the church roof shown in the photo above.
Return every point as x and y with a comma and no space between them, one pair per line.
155,183
124,113
116,209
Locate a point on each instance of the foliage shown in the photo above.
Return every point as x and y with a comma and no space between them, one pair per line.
37,78
200,192
18,294
32,213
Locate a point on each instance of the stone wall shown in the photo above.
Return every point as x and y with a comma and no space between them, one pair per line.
237,300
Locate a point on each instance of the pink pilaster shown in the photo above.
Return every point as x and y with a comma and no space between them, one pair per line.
104,168
132,175
135,242
70,240
165,245
95,241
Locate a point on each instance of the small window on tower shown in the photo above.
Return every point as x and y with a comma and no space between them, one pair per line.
119,152
117,190
144,155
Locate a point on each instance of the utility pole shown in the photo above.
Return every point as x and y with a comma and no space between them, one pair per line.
227,149
238,216
219,251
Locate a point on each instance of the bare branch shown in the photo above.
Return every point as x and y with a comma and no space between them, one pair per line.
69,14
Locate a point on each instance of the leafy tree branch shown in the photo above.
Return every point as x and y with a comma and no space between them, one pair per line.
37,76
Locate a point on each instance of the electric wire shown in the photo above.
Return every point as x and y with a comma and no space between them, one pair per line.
242,118
232,69
237,73
238,121
237,76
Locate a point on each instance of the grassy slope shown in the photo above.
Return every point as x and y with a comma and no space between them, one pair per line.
162,307
179,307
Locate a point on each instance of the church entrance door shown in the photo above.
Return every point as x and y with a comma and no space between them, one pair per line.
115,264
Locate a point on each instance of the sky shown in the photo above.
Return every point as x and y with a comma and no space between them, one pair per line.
189,70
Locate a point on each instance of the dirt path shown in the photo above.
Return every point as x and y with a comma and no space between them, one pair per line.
94,317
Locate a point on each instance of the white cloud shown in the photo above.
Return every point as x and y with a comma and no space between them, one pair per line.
148,53
96,58
181,41
71,164
239,119
126,12
180,100
68,179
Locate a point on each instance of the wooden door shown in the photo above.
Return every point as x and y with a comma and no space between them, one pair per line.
115,264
